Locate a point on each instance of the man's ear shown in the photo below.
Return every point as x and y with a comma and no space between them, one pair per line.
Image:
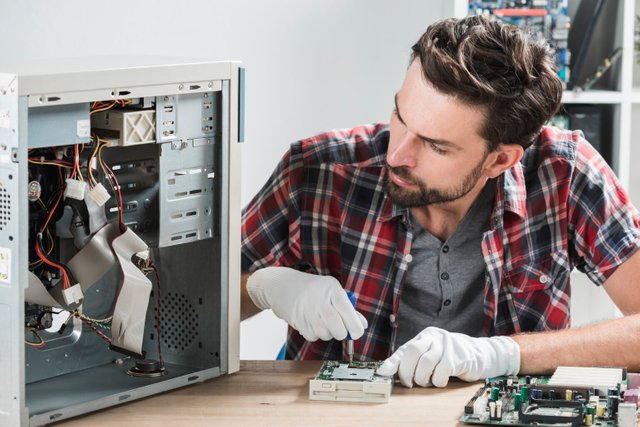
503,158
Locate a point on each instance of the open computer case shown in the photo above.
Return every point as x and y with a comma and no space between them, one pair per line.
119,231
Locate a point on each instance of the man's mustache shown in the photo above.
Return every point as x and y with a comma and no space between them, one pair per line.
402,172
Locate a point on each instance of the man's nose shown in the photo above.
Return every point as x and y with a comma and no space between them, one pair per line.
402,152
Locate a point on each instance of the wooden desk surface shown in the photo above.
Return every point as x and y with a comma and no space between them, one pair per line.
275,393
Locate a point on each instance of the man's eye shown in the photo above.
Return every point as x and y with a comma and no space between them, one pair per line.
437,149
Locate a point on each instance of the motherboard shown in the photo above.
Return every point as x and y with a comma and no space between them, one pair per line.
573,396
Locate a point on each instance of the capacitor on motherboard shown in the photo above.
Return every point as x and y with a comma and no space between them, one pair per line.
612,407
517,400
492,409
600,410
612,402
524,391
588,419
495,393
499,409
527,379
568,395
589,414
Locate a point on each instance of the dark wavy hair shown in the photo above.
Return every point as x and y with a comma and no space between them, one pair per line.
495,66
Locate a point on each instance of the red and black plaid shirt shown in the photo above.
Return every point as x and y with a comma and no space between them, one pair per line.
324,210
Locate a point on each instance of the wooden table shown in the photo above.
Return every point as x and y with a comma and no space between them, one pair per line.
275,393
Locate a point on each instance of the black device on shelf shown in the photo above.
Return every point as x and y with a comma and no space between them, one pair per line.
593,17
595,122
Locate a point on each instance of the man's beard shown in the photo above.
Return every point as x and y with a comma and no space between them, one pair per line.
424,195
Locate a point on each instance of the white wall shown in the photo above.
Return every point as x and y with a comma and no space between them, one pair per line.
311,66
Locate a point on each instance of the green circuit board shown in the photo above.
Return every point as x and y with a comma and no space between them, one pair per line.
348,371
532,401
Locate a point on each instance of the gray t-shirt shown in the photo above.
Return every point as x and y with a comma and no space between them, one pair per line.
445,282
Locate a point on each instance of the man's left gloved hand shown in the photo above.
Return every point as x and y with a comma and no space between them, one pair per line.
434,355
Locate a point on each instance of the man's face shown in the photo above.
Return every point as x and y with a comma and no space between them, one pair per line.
435,152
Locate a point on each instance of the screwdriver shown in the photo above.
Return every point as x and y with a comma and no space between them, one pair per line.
352,298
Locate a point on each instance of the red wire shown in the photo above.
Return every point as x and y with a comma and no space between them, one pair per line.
103,336
55,206
37,345
65,278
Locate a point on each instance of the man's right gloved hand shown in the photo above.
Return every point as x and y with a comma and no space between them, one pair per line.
316,306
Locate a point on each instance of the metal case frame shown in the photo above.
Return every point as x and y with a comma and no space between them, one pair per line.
38,388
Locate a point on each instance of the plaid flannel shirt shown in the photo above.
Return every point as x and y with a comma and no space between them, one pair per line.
324,211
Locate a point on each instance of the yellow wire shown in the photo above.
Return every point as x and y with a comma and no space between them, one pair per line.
90,319
35,162
108,107
76,158
104,170
92,179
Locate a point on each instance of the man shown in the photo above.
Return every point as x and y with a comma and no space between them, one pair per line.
456,226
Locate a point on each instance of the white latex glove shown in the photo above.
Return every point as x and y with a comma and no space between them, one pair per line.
316,306
434,355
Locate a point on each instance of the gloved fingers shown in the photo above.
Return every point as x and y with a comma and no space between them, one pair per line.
308,334
348,314
442,373
390,366
363,320
409,362
429,360
304,328
333,323
320,329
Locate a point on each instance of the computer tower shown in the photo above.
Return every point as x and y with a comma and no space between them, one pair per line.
119,231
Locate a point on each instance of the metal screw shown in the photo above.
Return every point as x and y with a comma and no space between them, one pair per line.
210,85
165,99
205,95
4,90
180,87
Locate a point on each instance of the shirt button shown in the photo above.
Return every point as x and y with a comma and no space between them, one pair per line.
408,258
392,318
444,276
544,279
445,249
447,302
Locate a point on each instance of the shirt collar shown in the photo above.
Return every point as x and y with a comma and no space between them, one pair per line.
391,210
514,194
